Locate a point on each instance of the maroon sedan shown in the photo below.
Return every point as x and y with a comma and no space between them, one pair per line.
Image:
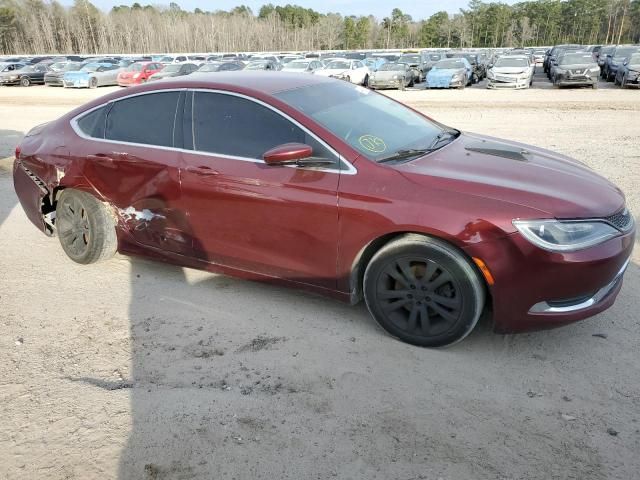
320,184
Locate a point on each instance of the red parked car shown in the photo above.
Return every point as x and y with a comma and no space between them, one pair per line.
138,73
328,186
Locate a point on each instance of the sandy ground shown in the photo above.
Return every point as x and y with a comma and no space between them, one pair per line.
136,370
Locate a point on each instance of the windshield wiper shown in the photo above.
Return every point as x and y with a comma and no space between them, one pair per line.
400,154
445,134
414,152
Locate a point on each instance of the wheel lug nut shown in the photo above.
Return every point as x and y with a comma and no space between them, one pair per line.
418,302
409,296
413,287
424,289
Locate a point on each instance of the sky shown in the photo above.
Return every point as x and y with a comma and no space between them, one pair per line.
418,9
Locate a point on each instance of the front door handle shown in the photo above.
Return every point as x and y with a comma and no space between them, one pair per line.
201,170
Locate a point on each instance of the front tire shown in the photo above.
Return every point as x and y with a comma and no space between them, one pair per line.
85,227
25,82
423,291
93,82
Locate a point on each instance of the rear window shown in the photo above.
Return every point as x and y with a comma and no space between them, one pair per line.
146,119
92,124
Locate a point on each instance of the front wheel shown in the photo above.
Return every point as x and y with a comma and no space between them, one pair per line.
365,82
93,82
623,83
423,291
25,81
85,227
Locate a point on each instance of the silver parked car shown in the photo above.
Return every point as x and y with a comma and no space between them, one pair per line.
511,72
393,75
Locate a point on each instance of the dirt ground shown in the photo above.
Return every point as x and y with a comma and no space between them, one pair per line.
136,370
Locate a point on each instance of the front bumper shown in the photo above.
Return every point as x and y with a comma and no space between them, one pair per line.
633,81
535,289
373,83
76,83
508,83
53,82
7,81
576,80
127,82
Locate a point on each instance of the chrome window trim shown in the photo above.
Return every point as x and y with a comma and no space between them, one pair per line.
349,170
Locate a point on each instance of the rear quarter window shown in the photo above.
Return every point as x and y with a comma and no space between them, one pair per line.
145,119
92,124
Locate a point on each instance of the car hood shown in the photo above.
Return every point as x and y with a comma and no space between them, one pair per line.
78,74
387,74
555,185
444,72
165,74
325,72
509,70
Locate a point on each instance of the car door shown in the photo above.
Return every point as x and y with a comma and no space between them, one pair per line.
129,158
280,221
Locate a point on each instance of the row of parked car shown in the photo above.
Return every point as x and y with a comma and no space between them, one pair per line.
503,68
584,64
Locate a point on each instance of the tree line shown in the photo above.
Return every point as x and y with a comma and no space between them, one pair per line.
36,26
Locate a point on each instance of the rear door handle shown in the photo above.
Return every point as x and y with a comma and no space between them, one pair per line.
201,170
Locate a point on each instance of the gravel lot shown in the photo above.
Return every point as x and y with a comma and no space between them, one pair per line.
137,370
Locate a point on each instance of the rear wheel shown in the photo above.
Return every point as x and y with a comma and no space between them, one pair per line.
93,82
423,291
623,83
85,227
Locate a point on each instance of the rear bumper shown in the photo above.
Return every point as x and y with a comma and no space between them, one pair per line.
32,194
535,289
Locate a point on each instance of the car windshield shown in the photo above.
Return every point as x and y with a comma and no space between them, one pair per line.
625,52
539,52
297,65
391,67
166,59
92,67
576,59
410,58
259,65
338,64
209,67
371,123
434,57
28,68
135,67
512,62
171,68
635,59
449,63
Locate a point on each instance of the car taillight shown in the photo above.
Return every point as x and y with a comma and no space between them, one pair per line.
18,151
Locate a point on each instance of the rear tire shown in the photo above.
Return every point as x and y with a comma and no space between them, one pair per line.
93,82
423,291
86,227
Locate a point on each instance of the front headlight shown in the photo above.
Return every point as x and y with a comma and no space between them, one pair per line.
456,77
396,77
594,70
565,236
136,75
13,77
490,74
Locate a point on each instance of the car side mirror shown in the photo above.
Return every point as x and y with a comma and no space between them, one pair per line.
287,154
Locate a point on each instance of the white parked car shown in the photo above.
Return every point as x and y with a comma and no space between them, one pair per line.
309,65
170,59
511,71
353,71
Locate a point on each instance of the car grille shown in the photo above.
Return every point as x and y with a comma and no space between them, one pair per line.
621,220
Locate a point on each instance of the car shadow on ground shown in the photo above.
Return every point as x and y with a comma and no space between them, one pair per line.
204,405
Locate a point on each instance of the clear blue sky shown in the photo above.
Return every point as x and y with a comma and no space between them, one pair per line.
418,9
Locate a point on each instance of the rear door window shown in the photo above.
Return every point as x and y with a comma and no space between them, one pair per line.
146,119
